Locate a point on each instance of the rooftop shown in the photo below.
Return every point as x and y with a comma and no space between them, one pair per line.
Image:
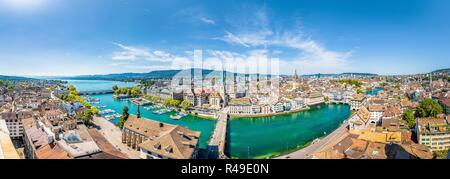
7,149
165,139
376,108
433,125
240,102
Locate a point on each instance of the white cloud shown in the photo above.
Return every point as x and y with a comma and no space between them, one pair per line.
208,21
131,53
262,44
311,54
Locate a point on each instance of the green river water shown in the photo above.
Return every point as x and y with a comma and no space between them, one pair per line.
259,137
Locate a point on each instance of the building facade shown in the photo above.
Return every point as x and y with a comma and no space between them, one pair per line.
434,133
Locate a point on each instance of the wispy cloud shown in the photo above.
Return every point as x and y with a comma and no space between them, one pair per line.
131,53
208,20
262,42
311,54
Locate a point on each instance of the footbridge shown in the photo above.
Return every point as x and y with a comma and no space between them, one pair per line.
217,143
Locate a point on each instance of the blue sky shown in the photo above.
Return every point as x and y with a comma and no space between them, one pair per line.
73,37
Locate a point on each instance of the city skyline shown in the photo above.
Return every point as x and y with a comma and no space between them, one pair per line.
53,38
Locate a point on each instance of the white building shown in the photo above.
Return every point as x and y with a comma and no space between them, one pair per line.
278,107
376,112
357,101
14,121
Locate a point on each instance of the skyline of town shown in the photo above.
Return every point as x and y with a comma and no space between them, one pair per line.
103,37
195,80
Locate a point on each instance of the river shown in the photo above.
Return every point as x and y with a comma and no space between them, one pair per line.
260,137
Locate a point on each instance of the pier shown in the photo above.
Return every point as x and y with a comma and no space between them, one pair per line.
95,92
217,143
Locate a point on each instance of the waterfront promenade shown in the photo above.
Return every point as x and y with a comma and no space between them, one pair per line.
306,153
217,144
114,135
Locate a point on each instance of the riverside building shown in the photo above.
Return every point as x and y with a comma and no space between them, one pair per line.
434,133
157,140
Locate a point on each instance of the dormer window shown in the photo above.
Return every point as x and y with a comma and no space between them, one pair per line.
169,149
157,146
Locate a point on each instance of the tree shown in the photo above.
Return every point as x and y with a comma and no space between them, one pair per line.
71,88
115,88
428,108
135,91
408,116
166,102
359,91
440,154
124,117
175,103
9,86
185,104
95,110
154,98
351,82
86,117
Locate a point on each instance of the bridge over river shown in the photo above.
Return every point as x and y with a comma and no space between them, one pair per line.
96,92
217,144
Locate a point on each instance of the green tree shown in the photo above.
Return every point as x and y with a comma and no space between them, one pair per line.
9,86
115,88
175,103
135,91
408,116
95,110
154,98
124,117
185,104
86,117
351,82
167,102
429,108
71,88
441,154
359,91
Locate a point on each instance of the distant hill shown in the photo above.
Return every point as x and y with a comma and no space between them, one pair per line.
18,78
342,75
446,70
153,74
358,74
171,73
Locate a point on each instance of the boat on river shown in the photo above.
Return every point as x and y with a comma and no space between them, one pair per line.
107,111
162,111
179,116
148,108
